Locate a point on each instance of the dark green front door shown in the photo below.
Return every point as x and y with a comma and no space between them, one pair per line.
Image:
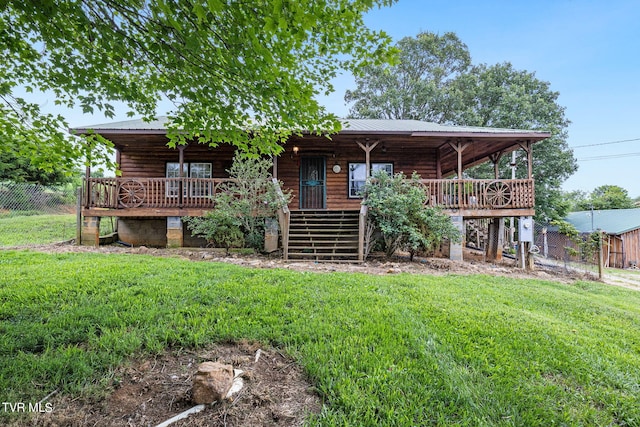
312,183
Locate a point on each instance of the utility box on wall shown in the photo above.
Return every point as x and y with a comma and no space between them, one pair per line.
525,229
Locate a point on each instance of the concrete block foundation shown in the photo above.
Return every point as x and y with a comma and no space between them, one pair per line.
90,233
175,233
455,249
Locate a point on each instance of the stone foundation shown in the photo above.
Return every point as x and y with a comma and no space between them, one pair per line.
90,234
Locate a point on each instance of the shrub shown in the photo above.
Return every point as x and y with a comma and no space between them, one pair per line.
221,226
397,209
242,205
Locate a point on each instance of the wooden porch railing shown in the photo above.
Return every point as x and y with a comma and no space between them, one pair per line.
122,193
479,193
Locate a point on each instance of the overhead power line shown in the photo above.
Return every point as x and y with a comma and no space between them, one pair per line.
610,156
606,143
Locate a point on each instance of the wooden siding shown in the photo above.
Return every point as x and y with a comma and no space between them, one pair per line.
623,251
620,251
407,158
148,158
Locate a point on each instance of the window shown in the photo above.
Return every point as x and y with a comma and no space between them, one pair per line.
189,170
358,176
200,188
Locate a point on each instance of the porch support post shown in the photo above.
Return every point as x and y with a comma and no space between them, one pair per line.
118,160
90,231
527,148
175,235
496,239
455,249
438,164
87,177
496,225
495,159
368,148
459,147
274,159
181,166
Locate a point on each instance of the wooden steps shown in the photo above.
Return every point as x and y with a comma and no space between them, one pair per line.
323,236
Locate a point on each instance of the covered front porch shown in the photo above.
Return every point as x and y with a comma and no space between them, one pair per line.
167,200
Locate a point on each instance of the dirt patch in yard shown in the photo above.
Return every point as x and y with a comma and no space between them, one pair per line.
474,262
149,392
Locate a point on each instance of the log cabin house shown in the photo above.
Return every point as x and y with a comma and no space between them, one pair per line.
325,220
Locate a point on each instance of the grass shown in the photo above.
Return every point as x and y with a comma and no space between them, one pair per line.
397,350
26,230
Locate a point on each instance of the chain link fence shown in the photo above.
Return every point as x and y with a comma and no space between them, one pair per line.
550,247
33,214
554,249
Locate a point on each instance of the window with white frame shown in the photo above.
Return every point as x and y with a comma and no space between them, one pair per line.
200,188
358,176
195,188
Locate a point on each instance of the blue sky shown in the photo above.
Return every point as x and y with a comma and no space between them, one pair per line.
588,50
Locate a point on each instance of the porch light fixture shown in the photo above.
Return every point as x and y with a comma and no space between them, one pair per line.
296,149
336,168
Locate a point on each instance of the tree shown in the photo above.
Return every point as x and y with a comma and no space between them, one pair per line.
244,73
607,197
503,97
575,200
482,95
17,168
417,86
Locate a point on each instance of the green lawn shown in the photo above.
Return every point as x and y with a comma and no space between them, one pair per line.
41,229
382,350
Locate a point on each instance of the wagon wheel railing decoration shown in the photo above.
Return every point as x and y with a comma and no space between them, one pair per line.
426,190
131,193
497,194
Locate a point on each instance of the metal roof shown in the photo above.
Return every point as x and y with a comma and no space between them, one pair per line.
411,127
611,221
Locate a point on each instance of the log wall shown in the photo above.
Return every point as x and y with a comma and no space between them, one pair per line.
405,158
148,158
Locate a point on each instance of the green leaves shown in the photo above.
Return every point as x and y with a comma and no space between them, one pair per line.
219,62
434,80
396,208
242,205
416,83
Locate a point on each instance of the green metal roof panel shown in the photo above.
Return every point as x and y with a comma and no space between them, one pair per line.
611,221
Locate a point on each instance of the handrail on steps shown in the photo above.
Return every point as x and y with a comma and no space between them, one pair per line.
284,216
362,227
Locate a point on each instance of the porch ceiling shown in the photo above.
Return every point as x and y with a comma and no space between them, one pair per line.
480,146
